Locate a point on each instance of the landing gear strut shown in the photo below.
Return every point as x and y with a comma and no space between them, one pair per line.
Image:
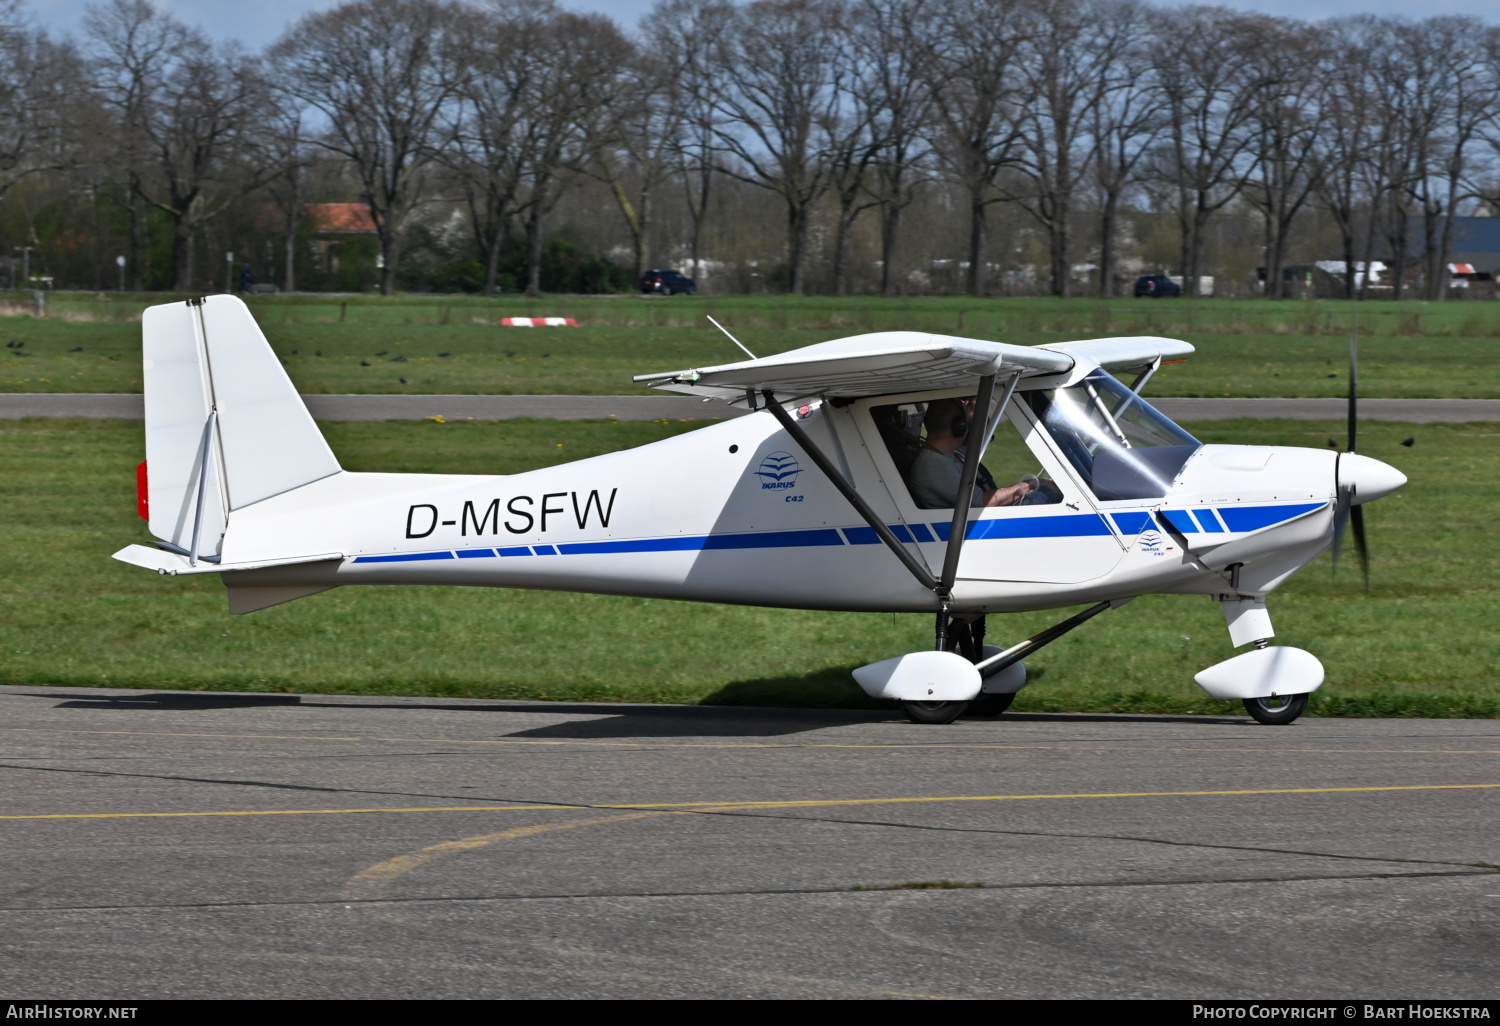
966,637
952,636
970,639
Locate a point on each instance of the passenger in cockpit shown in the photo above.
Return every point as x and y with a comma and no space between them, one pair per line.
937,469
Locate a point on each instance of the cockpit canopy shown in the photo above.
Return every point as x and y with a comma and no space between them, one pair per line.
1116,441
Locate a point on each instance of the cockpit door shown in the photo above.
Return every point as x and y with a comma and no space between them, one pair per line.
1056,537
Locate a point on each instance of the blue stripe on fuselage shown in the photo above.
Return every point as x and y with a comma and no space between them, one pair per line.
1253,518
403,557
1179,519
867,535
1081,526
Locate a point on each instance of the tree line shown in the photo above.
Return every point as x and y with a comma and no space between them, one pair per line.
846,113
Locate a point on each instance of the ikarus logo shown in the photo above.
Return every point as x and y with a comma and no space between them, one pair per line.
778,470
1152,543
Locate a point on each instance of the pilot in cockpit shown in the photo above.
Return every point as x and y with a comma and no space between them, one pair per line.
937,468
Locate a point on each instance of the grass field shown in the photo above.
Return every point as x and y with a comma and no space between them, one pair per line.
1423,642
457,345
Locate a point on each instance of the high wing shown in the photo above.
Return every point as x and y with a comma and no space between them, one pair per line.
1124,352
880,363
887,362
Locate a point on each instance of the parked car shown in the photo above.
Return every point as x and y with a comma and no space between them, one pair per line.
667,283
1156,286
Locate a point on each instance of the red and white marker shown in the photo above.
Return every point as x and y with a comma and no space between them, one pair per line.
539,322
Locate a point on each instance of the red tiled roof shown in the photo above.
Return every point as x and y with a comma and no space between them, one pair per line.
341,217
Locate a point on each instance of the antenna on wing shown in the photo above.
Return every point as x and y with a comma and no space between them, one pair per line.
732,338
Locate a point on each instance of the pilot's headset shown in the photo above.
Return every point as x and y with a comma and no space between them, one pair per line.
958,425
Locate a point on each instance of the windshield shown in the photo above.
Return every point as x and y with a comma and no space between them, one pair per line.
1119,444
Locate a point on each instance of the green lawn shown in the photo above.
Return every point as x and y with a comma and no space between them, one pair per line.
1423,642
456,344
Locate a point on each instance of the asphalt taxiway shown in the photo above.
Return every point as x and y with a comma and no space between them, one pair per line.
161,844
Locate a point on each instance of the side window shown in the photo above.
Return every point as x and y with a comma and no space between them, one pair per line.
927,442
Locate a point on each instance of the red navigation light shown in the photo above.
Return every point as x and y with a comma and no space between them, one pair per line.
142,499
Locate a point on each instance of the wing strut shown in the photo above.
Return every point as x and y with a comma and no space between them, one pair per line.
847,489
965,496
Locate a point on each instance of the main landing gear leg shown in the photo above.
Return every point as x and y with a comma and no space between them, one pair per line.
950,634
984,703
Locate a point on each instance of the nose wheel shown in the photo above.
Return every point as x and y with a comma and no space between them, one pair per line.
1276,711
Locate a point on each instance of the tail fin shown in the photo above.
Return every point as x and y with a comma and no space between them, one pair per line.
224,425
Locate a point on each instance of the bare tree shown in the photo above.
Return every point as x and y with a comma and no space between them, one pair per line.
1346,138
1073,48
1202,64
777,60
1484,177
575,73
631,139
849,127
492,122
289,154
192,117
686,35
1472,102
1125,123
503,110
1287,120
43,115
889,34
380,72
1387,165
1416,71
131,50
1414,101
978,101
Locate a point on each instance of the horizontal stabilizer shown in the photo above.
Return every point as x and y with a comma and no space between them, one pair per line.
174,564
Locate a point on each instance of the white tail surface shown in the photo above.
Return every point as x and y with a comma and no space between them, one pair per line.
219,407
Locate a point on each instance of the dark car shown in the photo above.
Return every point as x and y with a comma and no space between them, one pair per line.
667,283
1156,286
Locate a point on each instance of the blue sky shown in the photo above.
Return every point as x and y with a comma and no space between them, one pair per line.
256,24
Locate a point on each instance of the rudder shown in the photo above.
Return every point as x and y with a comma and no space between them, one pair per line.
225,427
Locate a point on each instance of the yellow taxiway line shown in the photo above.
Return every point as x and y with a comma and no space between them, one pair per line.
372,882
657,744
804,803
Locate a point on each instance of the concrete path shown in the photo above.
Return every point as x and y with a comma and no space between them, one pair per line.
200,845
671,407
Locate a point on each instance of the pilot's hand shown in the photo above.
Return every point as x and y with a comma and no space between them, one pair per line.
1011,495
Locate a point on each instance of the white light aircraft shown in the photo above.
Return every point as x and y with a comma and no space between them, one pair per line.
829,496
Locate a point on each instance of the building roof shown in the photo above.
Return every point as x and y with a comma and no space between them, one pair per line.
1473,237
353,218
